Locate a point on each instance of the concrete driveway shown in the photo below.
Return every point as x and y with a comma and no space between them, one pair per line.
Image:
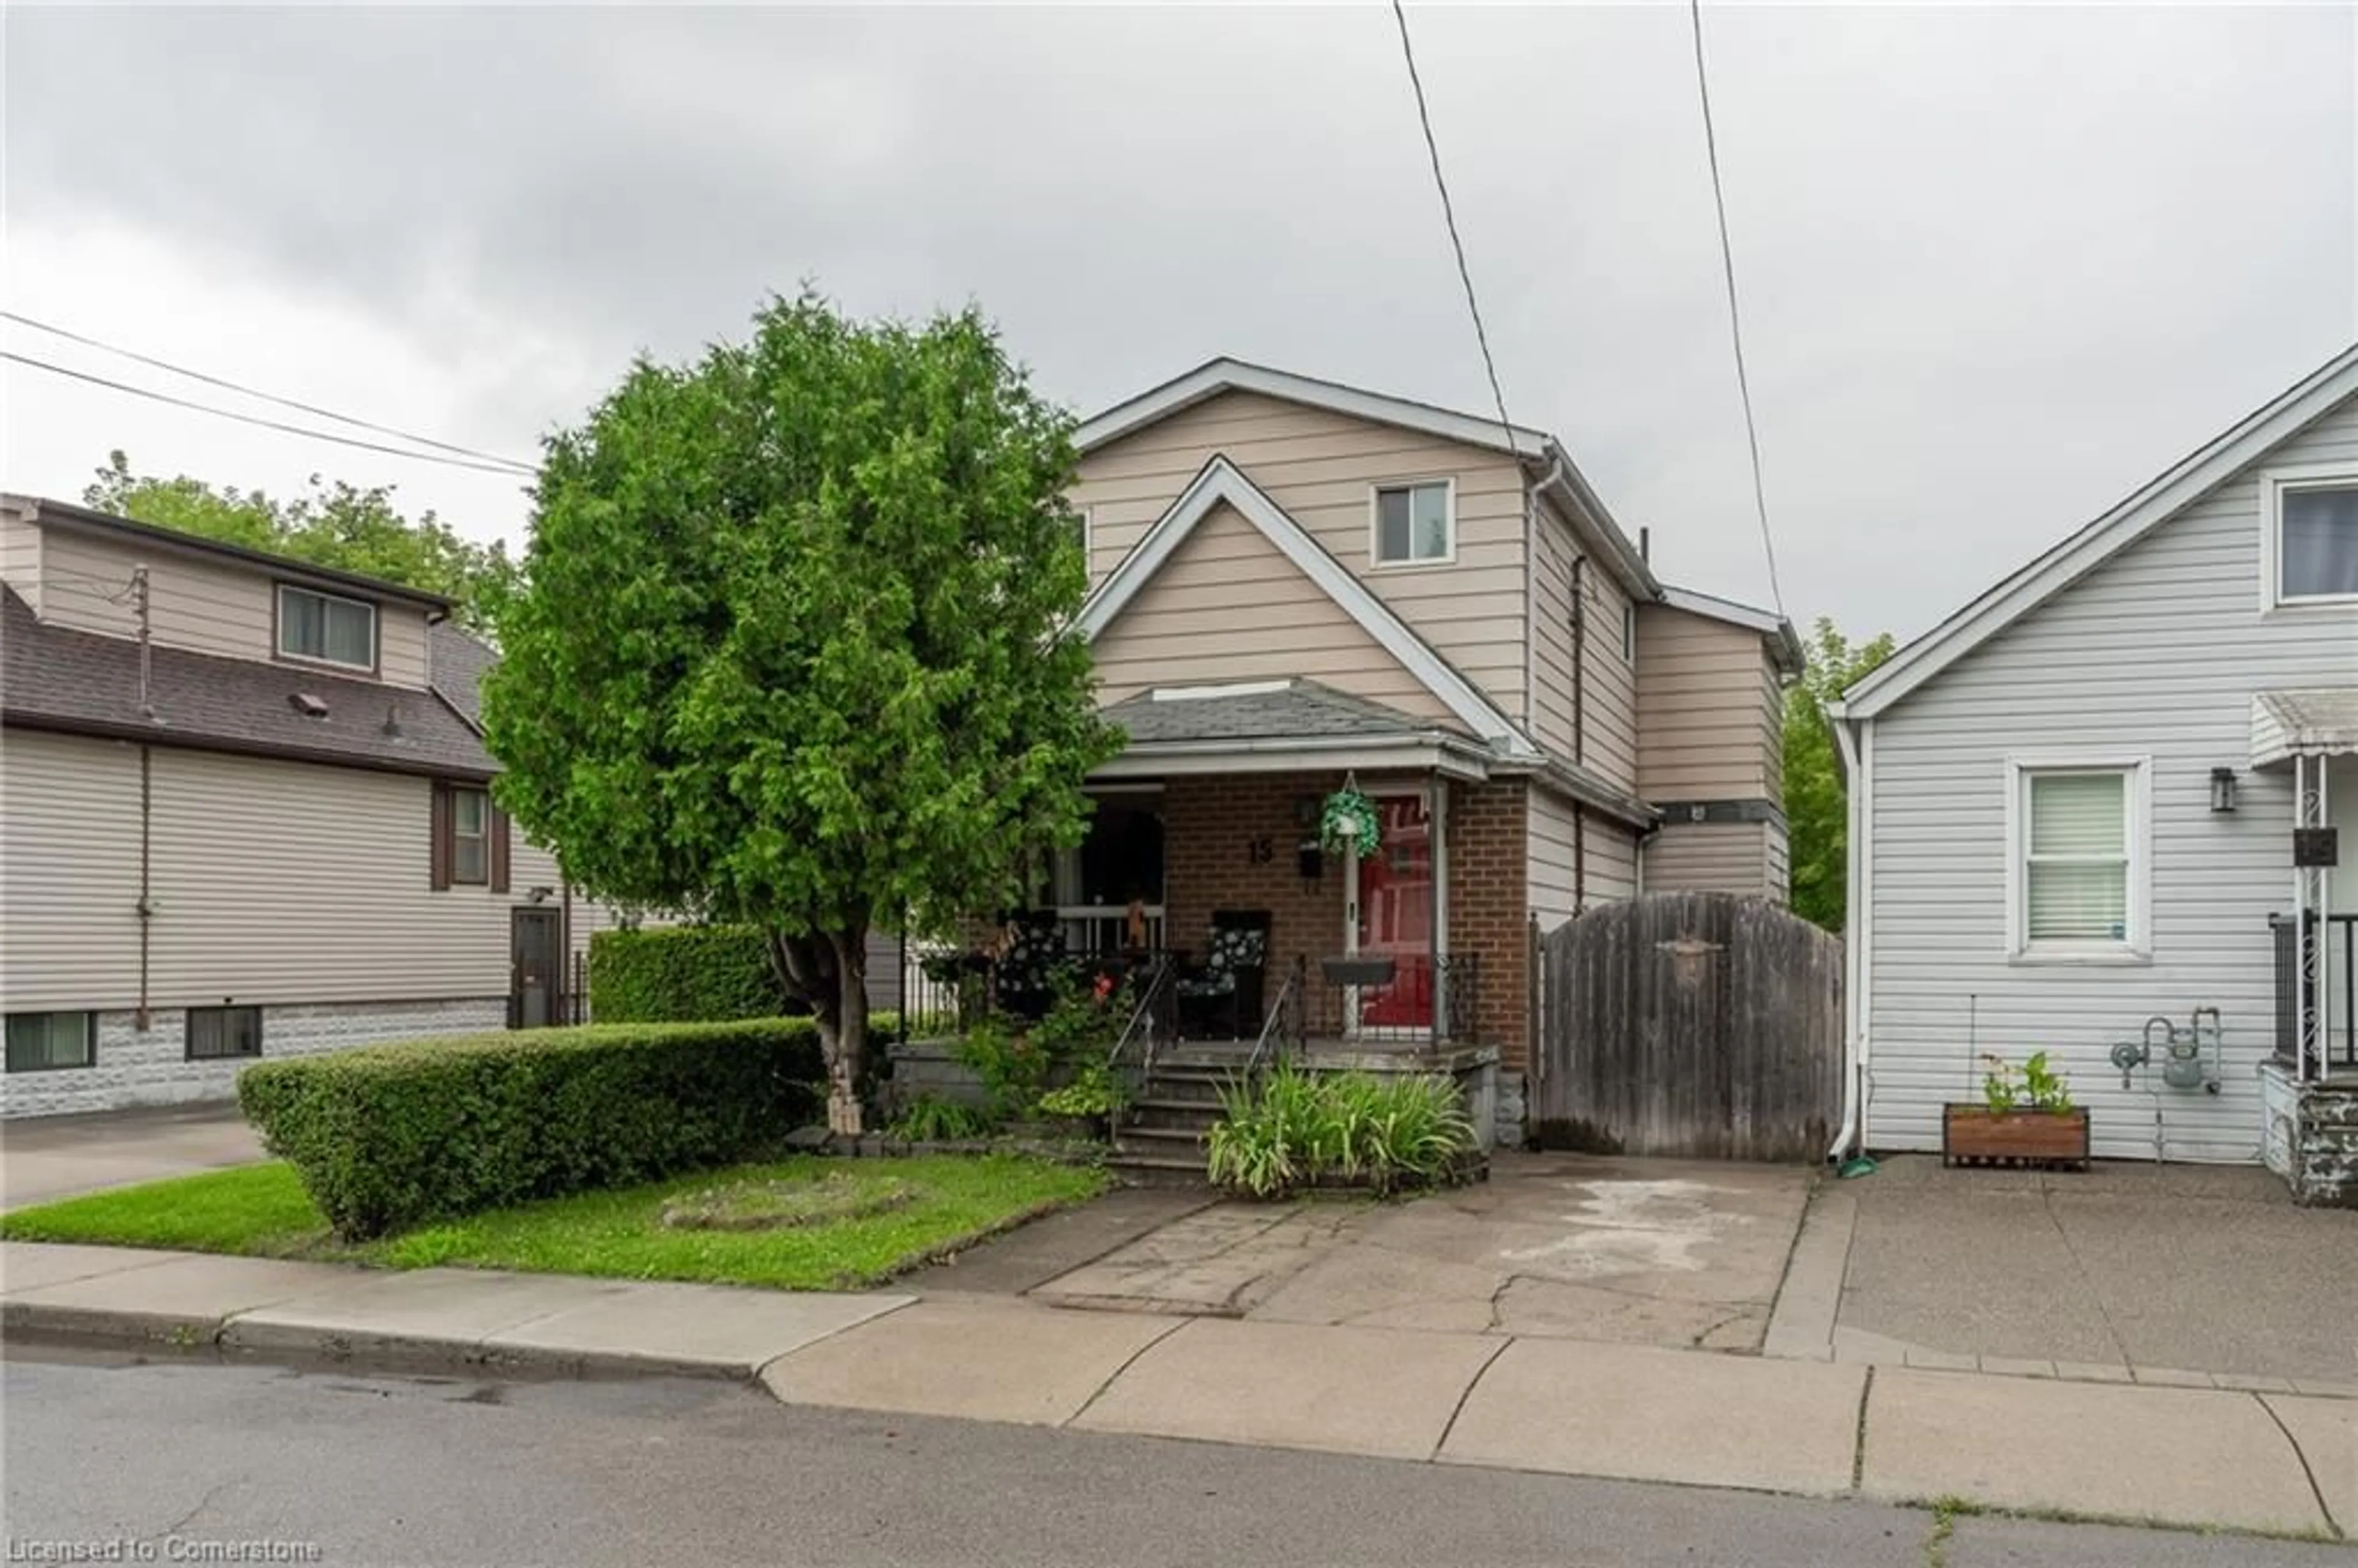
50,1157
1563,1246
2128,1266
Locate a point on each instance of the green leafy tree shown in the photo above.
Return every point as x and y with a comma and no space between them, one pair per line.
794,644
336,525
1816,796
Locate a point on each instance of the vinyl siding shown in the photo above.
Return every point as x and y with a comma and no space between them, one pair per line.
1609,745
2156,653
1228,606
20,557
1611,698
68,872
1611,868
1320,467
1709,709
196,604
1712,857
272,882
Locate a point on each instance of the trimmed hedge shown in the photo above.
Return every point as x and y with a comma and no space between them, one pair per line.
682,974
390,1136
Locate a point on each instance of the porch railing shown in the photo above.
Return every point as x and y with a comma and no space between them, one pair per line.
1429,1001
2316,966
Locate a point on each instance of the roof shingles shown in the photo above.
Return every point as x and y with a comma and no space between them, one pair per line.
55,678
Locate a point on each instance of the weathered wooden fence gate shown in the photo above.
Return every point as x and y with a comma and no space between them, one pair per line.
1690,1023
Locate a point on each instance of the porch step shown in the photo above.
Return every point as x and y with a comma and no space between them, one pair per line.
1145,1139
1193,1114
1157,1170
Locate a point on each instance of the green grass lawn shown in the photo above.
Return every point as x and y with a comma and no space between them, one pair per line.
262,1210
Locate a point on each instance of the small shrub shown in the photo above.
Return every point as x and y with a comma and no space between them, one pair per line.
385,1137
929,1119
1013,1067
1093,1095
683,974
1084,1018
1295,1130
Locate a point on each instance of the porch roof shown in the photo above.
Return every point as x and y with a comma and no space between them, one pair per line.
2318,722
1286,726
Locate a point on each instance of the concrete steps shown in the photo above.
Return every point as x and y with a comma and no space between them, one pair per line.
1159,1141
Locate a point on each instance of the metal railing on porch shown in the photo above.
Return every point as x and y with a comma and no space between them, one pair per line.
2317,973
1427,1000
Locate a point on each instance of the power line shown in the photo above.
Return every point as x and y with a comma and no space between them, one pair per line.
1735,318
1449,217
265,396
499,467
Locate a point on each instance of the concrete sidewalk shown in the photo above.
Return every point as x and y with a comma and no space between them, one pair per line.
2205,1457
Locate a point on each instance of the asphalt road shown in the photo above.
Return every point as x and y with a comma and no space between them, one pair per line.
190,1456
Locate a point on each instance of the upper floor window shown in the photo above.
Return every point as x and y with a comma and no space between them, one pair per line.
321,626
1416,523
2308,520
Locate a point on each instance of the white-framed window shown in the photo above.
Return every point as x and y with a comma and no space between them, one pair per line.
1630,633
1415,524
1085,525
326,628
2078,852
2308,537
43,1041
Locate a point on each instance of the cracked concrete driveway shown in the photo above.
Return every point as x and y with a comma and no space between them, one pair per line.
1578,1247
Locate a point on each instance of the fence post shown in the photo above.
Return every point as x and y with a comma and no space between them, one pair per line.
1534,1029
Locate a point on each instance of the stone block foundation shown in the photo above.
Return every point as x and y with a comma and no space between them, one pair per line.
141,1068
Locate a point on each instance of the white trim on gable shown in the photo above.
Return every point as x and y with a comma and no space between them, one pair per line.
1206,381
1222,481
2153,505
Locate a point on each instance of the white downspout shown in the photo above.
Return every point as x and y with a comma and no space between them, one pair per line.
1857,751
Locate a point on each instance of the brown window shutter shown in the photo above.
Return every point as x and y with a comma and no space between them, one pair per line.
498,827
437,875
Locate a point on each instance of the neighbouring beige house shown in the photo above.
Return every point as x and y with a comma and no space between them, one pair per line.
244,812
1294,583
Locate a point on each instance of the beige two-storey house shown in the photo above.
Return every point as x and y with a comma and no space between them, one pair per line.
1296,584
244,812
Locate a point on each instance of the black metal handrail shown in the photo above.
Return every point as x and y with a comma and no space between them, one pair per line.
2306,964
1284,1012
1152,1018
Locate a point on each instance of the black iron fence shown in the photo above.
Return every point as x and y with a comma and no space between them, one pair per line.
1408,999
2316,966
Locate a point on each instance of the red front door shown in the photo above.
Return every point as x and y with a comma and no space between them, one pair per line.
1396,914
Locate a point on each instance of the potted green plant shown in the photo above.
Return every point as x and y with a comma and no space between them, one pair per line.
1088,1105
2024,1117
1349,824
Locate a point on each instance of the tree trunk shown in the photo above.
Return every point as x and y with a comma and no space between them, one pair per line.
828,970
848,1054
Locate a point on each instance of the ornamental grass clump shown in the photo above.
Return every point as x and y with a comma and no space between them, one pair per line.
1296,1129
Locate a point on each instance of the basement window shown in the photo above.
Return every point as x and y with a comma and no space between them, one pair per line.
42,1042
224,1033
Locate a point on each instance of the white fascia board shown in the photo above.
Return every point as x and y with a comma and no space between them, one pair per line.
1222,481
2157,501
1296,754
1227,374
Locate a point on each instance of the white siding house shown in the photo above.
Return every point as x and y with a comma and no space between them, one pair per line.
2061,829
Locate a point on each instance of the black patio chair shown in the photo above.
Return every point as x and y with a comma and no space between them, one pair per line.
1225,990
1023,981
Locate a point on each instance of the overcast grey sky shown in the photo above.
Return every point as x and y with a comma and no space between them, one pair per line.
1999,265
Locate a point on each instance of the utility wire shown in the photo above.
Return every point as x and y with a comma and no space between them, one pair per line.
265,396
499,467
1449,217
1735,320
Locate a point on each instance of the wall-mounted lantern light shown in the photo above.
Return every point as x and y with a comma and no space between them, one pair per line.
2222,789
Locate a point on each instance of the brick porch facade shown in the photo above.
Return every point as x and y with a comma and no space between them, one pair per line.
1217,829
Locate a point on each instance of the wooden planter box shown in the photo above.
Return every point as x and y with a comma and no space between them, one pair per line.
1976,1135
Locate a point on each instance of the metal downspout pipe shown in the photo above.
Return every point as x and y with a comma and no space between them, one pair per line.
1855,1036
